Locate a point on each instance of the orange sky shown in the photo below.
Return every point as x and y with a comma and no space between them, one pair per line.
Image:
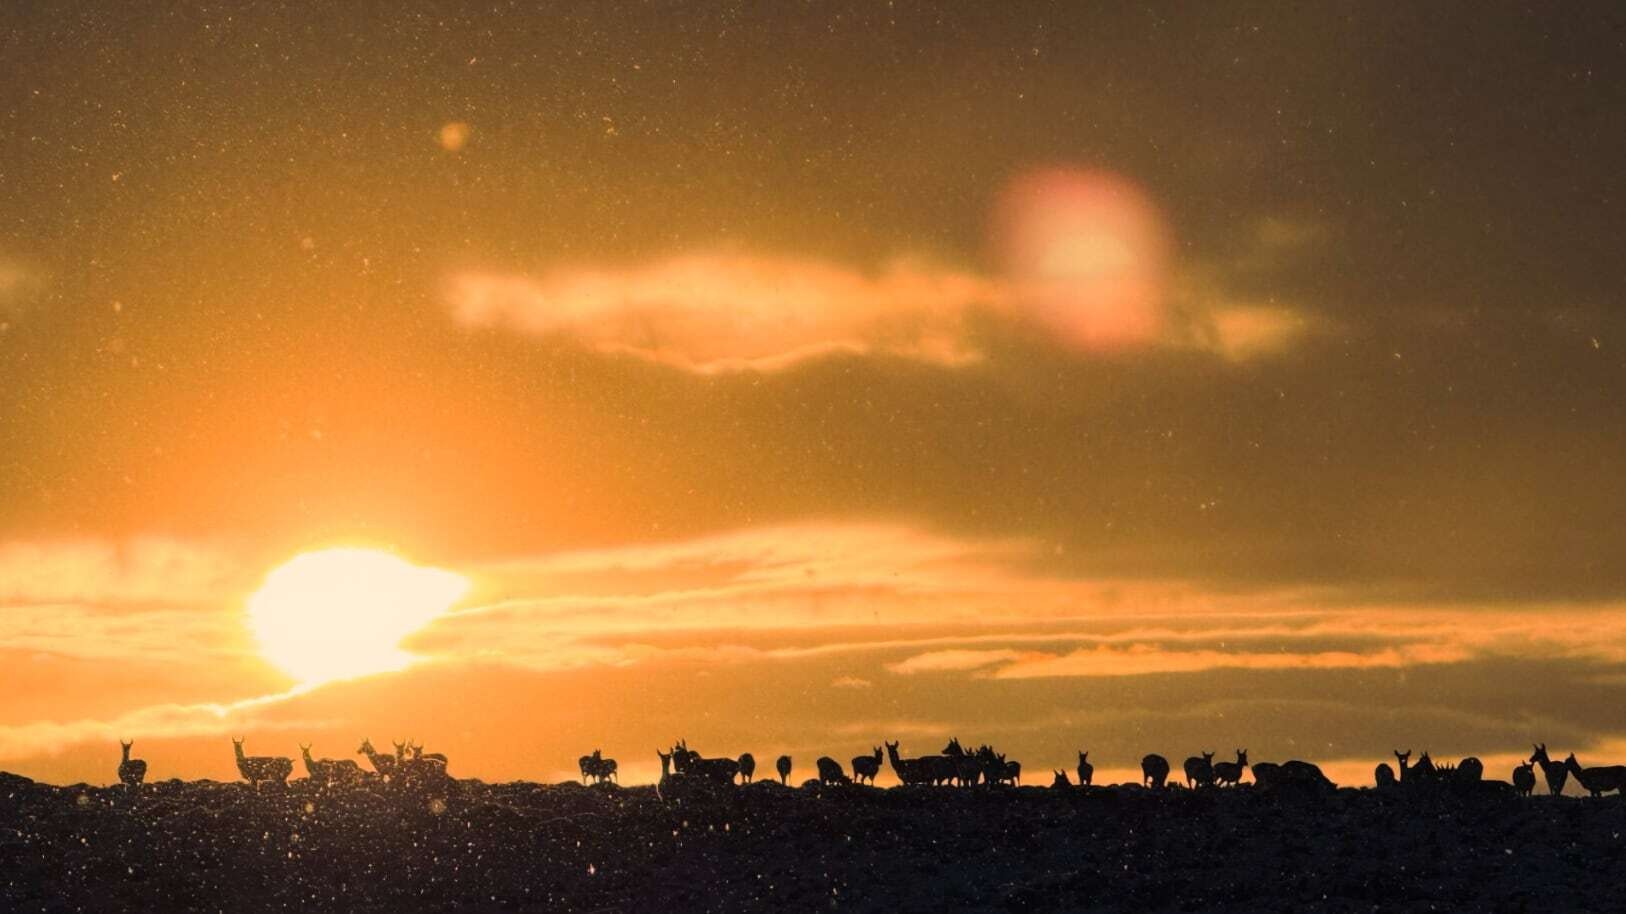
794,379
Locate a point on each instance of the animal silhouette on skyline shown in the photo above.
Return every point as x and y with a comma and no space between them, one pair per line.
1230,773
330,771
1524,779
1200,770
383,764
866,767
830,771
412,765
598,768
262,769
1555,774
132,771
1598,781
1154,770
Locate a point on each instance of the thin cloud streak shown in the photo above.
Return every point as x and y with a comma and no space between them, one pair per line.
945,605
147,570
166,721
714,313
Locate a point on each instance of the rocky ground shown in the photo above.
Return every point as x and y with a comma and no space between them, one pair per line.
209,846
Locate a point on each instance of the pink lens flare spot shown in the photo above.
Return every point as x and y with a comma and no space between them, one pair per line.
1086,253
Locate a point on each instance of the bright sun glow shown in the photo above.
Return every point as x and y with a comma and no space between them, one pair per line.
341,613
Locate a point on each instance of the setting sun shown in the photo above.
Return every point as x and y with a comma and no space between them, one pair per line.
341,613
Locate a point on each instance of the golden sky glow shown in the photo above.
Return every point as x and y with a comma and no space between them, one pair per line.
527,380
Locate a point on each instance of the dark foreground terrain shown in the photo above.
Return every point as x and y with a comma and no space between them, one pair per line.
529,847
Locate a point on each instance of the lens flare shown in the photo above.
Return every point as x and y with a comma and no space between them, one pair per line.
1086,254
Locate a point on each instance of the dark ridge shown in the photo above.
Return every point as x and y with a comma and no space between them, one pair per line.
472,846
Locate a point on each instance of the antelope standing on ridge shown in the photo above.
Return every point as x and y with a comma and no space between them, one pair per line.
330,771
1600,780
1555,774
1524,779
830,771
258,769
783,767
1231,772
748,767
132,771
1154,770
1086,771
597,767
432,757
966,769
866,767
1200,770
910,771
1383,775
687,761
383,764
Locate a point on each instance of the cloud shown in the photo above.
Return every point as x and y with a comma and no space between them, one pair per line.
951,661
166,721
149,635
850,682
101,572
1142,660
907,601
712,313
715,312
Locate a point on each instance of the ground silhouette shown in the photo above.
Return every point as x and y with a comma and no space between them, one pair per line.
472,846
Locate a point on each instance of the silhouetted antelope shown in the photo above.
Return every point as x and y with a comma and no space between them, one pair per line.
687,761
1154,770
1383,775
1010,770
1200,770
910,771
1086,771
991,764
1231,772
132,771
866,767
1524,779
1598,781
748,767
1269,775
422,770
383,764
783,767
1554,773
597,767
330,771
1404,758
418,753
967,770
262,768
830,771
1060,780
1469,770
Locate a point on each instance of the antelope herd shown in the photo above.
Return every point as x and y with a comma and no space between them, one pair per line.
954,765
